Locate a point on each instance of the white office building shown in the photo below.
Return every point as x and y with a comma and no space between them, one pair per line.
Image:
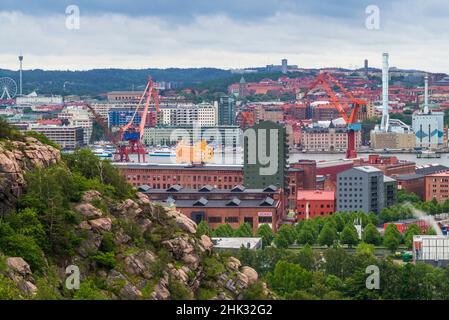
33,99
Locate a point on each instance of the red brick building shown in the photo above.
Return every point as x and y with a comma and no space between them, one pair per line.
331,169
162,176
437,187
234,206
411,183
301,175
312,203
390,165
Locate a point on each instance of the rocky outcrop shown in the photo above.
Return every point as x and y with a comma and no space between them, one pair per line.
20,273
251,274
101,225
17,157
88,210
139,250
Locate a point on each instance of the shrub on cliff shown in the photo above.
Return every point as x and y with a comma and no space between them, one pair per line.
85,163
7,130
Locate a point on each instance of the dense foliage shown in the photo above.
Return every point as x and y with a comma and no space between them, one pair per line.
334,273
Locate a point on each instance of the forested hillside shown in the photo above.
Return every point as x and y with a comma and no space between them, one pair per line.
96,81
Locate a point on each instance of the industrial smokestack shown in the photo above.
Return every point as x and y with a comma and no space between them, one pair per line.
385,115
426,94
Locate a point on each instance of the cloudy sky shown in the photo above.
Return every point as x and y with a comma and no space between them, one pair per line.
224,33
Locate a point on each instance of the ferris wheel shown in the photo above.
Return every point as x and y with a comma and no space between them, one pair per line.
8,88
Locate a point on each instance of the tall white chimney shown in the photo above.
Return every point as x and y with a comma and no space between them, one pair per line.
20,74
426,94
385,115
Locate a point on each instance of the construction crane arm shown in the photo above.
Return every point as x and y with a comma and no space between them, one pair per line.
131,121
102,123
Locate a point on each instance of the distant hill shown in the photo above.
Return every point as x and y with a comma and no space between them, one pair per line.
96,81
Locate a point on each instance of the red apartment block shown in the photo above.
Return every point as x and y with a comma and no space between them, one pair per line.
313,203
437,186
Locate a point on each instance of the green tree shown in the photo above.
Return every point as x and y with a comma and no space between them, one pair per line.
412,230
223,230
371,235
328,235
307,234
203,228
349,235
289,277
7,130
306,258
339,221
285,236
244,231
8,289
89,291
255,291
266,233
373,218
392,237
365,248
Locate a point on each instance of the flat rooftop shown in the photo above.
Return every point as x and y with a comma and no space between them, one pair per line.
316,195
367,169
406,177
237,243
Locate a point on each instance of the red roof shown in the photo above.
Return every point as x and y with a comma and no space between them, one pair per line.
316,195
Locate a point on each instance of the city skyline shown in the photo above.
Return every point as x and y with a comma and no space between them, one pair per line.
165,34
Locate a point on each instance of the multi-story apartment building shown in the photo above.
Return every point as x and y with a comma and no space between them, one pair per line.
437,187
325,112
203,114
121,116
79,116
121,96
226,111
265,155
361,189
269,113
312,203
170,134
68,137
332,139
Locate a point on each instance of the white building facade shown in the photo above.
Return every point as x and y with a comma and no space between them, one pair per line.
429,129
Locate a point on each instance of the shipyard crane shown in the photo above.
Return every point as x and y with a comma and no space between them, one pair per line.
128,140
130,135
326,81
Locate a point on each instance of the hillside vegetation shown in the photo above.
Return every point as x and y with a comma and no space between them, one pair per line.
78,212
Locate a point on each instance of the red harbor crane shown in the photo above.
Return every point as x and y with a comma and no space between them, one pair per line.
353,106
130,135
128,140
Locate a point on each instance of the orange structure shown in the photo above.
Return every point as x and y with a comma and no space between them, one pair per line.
200,152
352,104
